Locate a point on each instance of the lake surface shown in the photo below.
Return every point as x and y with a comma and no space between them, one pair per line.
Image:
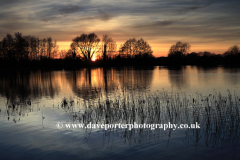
34,104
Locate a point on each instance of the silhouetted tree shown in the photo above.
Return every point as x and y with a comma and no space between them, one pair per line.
143,49
179,49
73,50
87,44
62,54
49,46
193,54
133,47
70,54
7,45
52,47
43,47
21,46
55,49
1,56
129,47
234,50
33,47
109,46
38,48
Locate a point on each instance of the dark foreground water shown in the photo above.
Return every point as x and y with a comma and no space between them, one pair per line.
37,105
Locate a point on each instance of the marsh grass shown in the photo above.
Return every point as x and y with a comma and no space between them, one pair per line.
217,115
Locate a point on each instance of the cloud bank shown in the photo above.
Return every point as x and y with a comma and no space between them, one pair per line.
201,23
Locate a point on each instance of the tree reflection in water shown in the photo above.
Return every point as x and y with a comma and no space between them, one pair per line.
22,85
101,82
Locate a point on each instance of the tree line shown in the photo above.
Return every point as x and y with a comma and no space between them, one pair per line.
89,47
180,49
19,47
178,54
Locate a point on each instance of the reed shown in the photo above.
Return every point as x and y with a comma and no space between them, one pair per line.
217,115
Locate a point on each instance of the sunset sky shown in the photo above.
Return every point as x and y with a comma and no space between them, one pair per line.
208,25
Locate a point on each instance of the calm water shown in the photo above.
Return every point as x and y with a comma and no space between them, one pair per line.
32,103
